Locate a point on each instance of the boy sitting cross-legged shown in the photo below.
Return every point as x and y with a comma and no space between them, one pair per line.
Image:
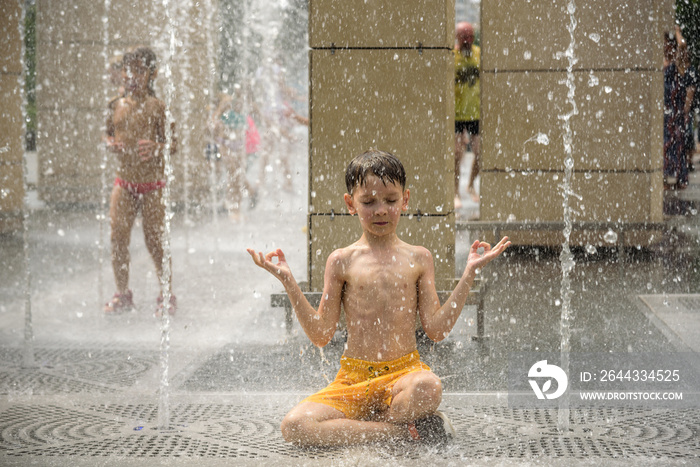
383,391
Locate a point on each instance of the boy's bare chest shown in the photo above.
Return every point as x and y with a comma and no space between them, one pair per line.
390,277
133,120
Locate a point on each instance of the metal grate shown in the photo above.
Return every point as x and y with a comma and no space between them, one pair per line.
607,433
251,431
71,370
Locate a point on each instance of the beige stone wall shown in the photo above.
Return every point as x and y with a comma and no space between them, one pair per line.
382,76
11,129
617,147
73,91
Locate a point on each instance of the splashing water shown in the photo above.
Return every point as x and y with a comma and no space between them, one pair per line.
103,207
610,236
165,278
539,138
28,351
324,362
566,258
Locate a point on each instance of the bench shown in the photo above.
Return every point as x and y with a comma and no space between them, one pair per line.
475,298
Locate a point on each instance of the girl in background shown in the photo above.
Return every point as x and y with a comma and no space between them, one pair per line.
136,135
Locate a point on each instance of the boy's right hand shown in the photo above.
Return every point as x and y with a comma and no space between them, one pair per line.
280,269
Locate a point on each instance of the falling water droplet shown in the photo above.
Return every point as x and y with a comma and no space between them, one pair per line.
591,250
594,37
610,236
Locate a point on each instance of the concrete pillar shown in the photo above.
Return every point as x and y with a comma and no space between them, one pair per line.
11,129
71,80
617,134
381,75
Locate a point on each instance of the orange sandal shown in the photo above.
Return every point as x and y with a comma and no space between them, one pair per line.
120,303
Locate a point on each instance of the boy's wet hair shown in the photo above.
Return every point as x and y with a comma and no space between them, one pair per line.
382,164
145,57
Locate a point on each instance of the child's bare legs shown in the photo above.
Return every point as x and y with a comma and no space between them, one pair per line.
475,142
234,182
413,396
122,212
153,211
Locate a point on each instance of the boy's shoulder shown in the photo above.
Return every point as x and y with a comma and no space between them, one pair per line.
346,252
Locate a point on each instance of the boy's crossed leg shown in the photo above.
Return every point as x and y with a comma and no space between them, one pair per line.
413,396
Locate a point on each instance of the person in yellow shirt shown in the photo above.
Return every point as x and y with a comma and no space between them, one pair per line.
467,104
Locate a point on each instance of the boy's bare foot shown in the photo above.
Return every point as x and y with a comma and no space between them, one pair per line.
458,202
120,303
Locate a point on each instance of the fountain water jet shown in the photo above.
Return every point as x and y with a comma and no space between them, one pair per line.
28,353
566,257
211,92
103,207
166,274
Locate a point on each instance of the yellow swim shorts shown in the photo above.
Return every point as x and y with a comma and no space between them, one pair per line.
362,388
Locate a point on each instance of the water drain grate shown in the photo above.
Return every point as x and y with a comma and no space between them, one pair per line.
608,433
251,431
71,370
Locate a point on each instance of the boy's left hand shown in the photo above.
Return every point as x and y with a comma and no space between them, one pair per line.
478,260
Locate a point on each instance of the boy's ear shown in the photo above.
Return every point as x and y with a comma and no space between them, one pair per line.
350,204
406,196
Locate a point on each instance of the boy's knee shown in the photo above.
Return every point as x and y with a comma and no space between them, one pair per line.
294,428
429,386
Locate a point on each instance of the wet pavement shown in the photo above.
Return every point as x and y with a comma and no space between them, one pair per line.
89,395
